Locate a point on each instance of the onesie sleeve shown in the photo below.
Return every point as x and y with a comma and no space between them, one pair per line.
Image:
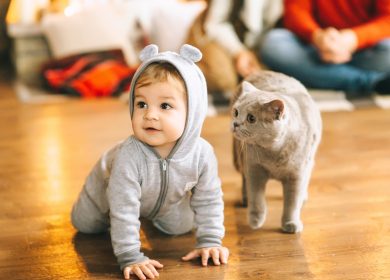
207,204
124,194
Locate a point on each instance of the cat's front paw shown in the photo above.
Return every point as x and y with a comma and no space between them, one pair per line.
256,220
292,226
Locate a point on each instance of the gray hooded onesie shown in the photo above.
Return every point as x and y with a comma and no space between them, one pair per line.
131,180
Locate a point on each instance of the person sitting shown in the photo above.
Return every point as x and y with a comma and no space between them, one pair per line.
331,44
228,33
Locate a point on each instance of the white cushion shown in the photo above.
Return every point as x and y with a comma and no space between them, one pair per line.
171,21
95,28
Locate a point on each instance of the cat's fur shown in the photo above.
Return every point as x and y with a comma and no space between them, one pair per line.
277,128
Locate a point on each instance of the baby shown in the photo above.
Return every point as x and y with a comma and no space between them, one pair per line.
165,172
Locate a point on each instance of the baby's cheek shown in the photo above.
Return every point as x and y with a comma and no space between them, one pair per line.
176,129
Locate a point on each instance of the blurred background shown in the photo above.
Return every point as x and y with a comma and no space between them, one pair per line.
44,43
55,49
4,39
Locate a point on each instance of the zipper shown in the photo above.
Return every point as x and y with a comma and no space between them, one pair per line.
164,189
164,165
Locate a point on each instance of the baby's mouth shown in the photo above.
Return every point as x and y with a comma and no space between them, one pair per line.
151,129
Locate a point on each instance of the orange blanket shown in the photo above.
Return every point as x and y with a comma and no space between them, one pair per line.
96,74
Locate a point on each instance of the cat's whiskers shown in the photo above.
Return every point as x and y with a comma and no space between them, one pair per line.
242,146
245,132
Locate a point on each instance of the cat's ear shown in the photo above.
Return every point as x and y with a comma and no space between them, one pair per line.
247,87
276,109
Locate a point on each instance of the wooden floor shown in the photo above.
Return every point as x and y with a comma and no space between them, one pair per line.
47,150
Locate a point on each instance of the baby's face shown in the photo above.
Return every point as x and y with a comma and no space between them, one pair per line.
159,115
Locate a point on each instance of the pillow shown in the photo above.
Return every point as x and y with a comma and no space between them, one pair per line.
121,25
94,28
171,22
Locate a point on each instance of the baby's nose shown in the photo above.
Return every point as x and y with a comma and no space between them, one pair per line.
151,115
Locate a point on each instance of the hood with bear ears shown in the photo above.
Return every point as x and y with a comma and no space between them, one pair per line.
196,88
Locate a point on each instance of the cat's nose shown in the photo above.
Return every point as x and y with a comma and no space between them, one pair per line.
235,125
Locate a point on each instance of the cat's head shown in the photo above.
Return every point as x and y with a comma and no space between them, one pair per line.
258,117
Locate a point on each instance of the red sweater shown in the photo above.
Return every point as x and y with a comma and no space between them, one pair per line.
370,19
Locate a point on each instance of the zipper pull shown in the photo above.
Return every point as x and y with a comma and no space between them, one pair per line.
164,165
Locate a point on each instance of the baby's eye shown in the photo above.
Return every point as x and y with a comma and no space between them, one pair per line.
165,106
142,105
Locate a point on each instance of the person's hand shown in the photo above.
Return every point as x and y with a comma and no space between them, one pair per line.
328,43
246,63
349,40
144,270
336,57
218,254
325,40
335,46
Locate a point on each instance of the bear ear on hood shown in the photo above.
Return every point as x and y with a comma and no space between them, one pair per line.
191,53
186,51
148,52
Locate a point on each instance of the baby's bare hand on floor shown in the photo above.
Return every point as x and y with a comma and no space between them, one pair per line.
144,270
217,254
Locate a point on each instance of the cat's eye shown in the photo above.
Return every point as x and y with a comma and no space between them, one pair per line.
250,118
235,113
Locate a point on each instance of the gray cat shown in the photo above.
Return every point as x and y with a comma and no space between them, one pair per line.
277,129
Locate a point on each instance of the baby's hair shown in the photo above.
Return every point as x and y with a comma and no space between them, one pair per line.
159,72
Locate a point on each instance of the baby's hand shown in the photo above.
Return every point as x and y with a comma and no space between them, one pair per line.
218,254
144,270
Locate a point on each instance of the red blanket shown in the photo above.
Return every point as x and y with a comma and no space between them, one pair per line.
96,74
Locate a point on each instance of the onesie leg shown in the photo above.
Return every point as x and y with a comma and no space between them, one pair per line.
86,217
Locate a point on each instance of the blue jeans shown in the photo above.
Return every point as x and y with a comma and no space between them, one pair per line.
284,52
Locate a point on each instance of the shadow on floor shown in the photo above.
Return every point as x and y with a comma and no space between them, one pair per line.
95,251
